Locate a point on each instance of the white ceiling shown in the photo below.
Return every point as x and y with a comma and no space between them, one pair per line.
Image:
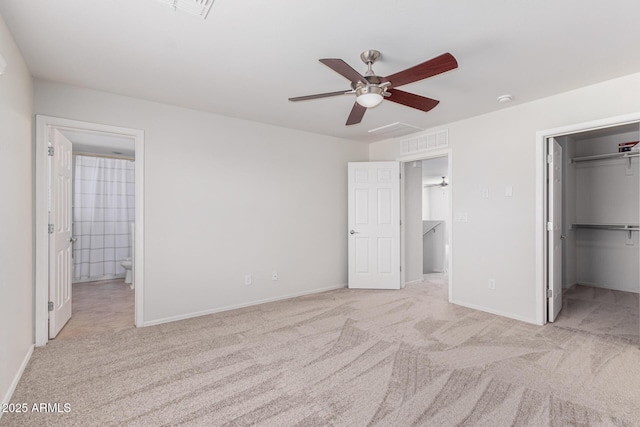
434,169
249,56
100,143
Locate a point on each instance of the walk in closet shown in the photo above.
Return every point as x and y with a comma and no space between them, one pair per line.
601,215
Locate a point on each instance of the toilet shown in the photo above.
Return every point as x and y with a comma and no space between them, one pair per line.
126,263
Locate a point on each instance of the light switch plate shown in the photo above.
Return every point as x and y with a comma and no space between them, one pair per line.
3,65
508,192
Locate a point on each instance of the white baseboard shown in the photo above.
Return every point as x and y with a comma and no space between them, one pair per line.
100,279
496,312
16,378
413,281
605,286
233,307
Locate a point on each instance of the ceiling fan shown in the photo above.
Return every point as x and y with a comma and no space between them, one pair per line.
371,89
440,184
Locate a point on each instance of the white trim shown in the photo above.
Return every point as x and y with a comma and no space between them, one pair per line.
41,216
414,281
16,378
242,305
496,312
601,286
541,198
403,225
426,156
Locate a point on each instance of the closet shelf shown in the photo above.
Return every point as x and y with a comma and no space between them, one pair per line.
625,154
622,227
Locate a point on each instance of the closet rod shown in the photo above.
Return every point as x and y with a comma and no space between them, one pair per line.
623,227
624,154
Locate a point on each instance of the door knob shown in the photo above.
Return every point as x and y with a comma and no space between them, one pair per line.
563,237
73,239
354,232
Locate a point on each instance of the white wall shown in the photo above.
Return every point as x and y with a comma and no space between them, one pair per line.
226,197
438,206
494,151
569,276
433,247
16,251
413,221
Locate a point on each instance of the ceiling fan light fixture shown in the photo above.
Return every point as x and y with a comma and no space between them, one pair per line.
369,96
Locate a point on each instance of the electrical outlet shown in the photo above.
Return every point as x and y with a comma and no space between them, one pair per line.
274,276
460,217
485,193
492,284
247,279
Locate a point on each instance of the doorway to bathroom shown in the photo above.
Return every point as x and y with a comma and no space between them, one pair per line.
89,193
103,224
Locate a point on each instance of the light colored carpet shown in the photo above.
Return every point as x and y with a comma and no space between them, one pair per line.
341,358
603,312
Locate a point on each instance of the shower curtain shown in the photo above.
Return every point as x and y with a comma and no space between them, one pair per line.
103,207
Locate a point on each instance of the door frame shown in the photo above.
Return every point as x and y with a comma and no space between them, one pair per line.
541,193
41,217
419,157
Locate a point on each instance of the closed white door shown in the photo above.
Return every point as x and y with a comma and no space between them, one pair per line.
374,225
60,237
554,229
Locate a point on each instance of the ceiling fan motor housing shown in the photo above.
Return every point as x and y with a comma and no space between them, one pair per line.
369,56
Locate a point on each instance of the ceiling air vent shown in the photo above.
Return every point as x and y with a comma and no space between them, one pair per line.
194,7
395,129
425,142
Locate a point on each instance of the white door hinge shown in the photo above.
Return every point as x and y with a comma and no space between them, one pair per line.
50,305
549,293
549,158
50,228
50,151
549,226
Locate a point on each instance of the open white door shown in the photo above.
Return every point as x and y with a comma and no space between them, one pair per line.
554,229
60,229
374,225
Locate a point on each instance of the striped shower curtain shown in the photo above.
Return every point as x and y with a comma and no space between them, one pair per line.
103,207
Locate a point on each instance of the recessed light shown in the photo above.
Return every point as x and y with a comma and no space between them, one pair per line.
505,98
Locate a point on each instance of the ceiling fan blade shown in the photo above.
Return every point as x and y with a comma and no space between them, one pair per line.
344,69
410,100
356,115
320,95
430,68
